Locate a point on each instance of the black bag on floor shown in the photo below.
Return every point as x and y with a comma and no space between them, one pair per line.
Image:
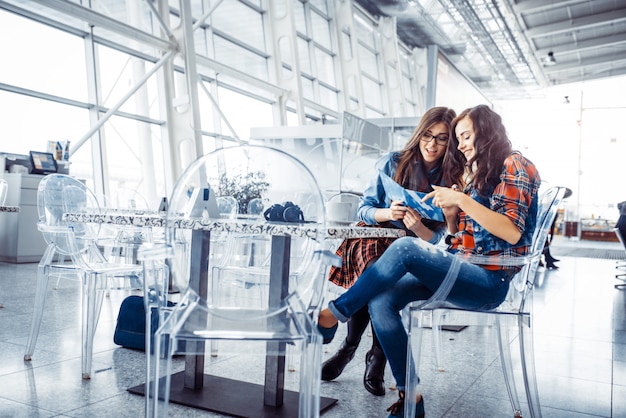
130,331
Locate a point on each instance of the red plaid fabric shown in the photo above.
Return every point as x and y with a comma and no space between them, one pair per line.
355,255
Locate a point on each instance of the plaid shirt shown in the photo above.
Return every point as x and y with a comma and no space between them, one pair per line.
513,197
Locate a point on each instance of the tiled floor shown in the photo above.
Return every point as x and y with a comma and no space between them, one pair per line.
580,335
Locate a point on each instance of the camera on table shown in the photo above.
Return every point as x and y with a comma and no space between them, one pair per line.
287,212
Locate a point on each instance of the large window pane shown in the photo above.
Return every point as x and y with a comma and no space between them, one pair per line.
321,30
29,123
325,67
240,22
244,112
373,94
369,62
134,158
237,57
40,58
119,73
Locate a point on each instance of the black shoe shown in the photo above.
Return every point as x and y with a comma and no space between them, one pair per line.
333,367
550,265
550,259
397,409
373,380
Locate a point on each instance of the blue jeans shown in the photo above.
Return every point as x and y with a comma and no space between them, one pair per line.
412,269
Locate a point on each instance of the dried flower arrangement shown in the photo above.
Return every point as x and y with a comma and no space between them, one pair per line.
244,188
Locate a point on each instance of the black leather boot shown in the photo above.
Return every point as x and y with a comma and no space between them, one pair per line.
333,367
373,380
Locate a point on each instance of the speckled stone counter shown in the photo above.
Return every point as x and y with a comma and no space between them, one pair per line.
244,226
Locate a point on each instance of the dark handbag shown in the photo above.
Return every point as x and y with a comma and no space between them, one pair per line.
130,331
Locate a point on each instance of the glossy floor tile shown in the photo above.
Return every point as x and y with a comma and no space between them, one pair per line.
580,348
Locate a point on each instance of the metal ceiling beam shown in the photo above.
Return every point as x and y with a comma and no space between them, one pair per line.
603,42
577,24
572,77
536,6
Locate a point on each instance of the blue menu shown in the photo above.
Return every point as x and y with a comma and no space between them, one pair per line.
410,198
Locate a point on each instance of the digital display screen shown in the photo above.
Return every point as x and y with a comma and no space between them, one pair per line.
42,162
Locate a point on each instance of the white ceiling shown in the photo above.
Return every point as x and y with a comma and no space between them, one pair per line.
503,46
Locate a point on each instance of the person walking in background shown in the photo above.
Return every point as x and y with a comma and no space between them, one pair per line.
417,166
495,214
549,259
621,221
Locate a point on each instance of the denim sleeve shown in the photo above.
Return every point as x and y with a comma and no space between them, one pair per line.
374,196
438,234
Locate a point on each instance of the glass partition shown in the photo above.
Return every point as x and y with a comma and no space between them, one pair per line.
342,156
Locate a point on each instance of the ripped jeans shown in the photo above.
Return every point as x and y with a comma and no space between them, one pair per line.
409,270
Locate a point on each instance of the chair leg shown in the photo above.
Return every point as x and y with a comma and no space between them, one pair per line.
504,344
415,329
436,321
528,366
94,286
41,294
310,361
61,260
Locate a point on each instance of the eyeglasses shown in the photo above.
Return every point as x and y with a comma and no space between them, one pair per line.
440,139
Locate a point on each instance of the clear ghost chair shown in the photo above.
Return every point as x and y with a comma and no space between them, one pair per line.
127,240
349,203
287,315
515,312
59,194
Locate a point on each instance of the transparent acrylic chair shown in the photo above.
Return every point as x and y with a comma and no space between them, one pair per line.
349,204
128,239
243,329
515,311
58,194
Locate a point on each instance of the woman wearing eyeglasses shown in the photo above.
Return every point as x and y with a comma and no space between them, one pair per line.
416,167
494,214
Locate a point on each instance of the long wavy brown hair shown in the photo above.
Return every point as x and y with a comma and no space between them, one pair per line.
411,172
492,146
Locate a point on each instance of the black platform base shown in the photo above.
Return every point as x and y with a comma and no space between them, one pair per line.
232,397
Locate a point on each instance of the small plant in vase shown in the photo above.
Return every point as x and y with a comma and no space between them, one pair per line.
244,188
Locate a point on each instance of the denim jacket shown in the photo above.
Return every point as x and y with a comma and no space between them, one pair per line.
374,196
486,242
521,174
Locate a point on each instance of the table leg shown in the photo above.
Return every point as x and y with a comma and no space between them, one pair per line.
278,290
198,279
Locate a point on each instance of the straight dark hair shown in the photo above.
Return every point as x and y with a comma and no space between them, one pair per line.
411,172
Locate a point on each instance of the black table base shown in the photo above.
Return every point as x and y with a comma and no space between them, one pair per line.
232,397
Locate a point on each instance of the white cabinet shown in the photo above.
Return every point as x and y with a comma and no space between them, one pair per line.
20,240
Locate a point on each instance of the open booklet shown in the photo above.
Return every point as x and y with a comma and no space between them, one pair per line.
411,198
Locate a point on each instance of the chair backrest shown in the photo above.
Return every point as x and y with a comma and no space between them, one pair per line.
56,195
4,188
228,207
280,178
127,198
549,202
